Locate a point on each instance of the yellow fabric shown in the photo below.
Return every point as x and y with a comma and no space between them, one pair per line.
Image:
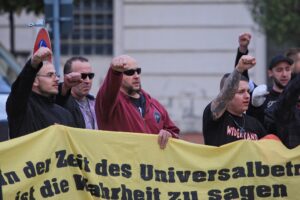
68,163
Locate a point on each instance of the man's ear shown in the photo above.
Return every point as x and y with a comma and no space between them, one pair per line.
36,82
270,73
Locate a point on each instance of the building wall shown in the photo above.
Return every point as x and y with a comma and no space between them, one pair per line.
24,35
183,46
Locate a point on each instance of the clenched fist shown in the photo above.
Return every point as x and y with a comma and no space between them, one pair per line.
123,63
42,54
244,40
246,62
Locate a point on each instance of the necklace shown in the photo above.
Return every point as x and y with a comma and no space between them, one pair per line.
241,127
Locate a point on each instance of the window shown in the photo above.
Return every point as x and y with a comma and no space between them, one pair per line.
92,29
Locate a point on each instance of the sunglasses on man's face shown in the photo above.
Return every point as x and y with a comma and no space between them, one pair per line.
85,75
131,72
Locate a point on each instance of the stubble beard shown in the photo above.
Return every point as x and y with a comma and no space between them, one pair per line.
278,84
132,91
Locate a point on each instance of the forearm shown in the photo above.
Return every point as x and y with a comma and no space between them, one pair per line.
21,89
62,96
219,104
239,54
108,93
64,90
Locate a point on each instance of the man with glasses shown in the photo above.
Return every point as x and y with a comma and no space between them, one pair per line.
30,105
122,105
77,98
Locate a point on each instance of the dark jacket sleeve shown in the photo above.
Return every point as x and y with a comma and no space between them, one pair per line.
280,114
288,100
62,99
21,90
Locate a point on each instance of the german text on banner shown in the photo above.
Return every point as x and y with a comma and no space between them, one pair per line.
68,163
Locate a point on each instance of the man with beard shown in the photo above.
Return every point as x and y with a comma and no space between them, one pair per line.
283,117
30,105
263,98
77,98
121,104
224,119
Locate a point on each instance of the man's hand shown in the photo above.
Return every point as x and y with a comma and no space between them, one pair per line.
246,62
70,80
42,54
244,40
120,63
163,137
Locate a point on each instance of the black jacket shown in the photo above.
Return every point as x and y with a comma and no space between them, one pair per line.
259,112
283,117
28,111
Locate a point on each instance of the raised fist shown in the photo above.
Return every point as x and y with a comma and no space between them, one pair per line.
244,40
120,63
72,79
246,62
42,54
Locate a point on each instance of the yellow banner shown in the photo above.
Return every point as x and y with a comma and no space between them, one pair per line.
69,163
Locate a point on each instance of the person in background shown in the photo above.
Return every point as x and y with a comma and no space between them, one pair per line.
264,97
31,103
283,117
294,55
78,99
122,105
224,119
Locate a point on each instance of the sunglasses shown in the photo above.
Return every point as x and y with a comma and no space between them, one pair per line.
131,72
85,75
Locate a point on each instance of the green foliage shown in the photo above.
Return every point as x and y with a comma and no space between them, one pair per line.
280,19
16,6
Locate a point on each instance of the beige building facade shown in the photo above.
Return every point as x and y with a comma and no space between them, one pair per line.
183,46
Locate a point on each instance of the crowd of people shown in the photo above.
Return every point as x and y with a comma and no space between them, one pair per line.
37,99
241,110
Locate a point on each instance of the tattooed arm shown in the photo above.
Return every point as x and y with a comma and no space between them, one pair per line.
219,104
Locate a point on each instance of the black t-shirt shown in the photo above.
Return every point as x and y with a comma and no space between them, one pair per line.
229,128
140,104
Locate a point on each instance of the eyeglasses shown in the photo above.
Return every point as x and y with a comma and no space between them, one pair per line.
85,75
131,72
49,75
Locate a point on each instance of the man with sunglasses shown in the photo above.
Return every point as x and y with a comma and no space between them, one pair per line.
30,105
75,97
122,105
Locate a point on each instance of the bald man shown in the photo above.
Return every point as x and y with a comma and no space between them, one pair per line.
30,105
122,105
